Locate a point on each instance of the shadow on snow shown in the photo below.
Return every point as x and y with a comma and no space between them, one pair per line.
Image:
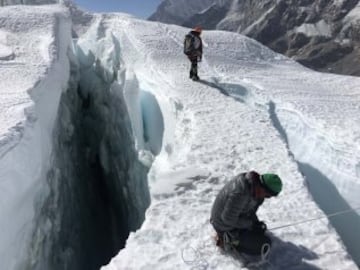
234,91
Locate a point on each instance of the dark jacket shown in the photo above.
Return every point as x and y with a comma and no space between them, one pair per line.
198,47
235,206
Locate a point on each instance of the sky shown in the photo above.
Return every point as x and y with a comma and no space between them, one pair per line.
139,8
253,110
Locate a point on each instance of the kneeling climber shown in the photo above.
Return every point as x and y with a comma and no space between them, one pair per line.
233,214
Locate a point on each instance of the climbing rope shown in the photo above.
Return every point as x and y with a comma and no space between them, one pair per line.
265,250
317,218
192,257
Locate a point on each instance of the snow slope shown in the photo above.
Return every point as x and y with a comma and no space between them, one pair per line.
212,136
322,35
31,82
254,109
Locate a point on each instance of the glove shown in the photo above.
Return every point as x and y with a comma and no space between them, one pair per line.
259,226
199,59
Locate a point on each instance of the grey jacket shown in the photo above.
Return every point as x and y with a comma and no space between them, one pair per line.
235,207
197,53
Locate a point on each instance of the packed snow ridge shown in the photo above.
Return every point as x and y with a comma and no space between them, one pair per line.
88,189
104,137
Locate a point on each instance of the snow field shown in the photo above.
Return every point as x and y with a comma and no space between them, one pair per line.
238,118
215,137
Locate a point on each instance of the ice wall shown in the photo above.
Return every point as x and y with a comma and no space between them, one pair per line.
332,173
98,189
146,119
25,161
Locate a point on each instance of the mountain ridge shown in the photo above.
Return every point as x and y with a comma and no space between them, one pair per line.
322,35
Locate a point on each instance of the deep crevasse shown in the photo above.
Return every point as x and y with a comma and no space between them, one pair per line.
98,188
84,186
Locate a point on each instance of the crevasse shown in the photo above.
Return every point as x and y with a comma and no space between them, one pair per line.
97,185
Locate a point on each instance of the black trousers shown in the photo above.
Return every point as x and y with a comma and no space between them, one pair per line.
248,241
194,68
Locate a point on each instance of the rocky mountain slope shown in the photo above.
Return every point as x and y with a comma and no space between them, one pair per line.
27,2
321,34
177,12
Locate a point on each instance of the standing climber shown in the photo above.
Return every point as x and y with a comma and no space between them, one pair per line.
233,214
193,50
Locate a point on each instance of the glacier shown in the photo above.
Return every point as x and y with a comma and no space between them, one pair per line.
89,188
108,151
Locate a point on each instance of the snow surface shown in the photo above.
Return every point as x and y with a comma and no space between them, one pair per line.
30,87
258,21
212,136
321,28
352,17
254,109
5,52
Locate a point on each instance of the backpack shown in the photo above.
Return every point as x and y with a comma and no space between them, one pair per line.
189,41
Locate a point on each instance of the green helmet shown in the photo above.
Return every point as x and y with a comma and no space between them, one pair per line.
271,183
